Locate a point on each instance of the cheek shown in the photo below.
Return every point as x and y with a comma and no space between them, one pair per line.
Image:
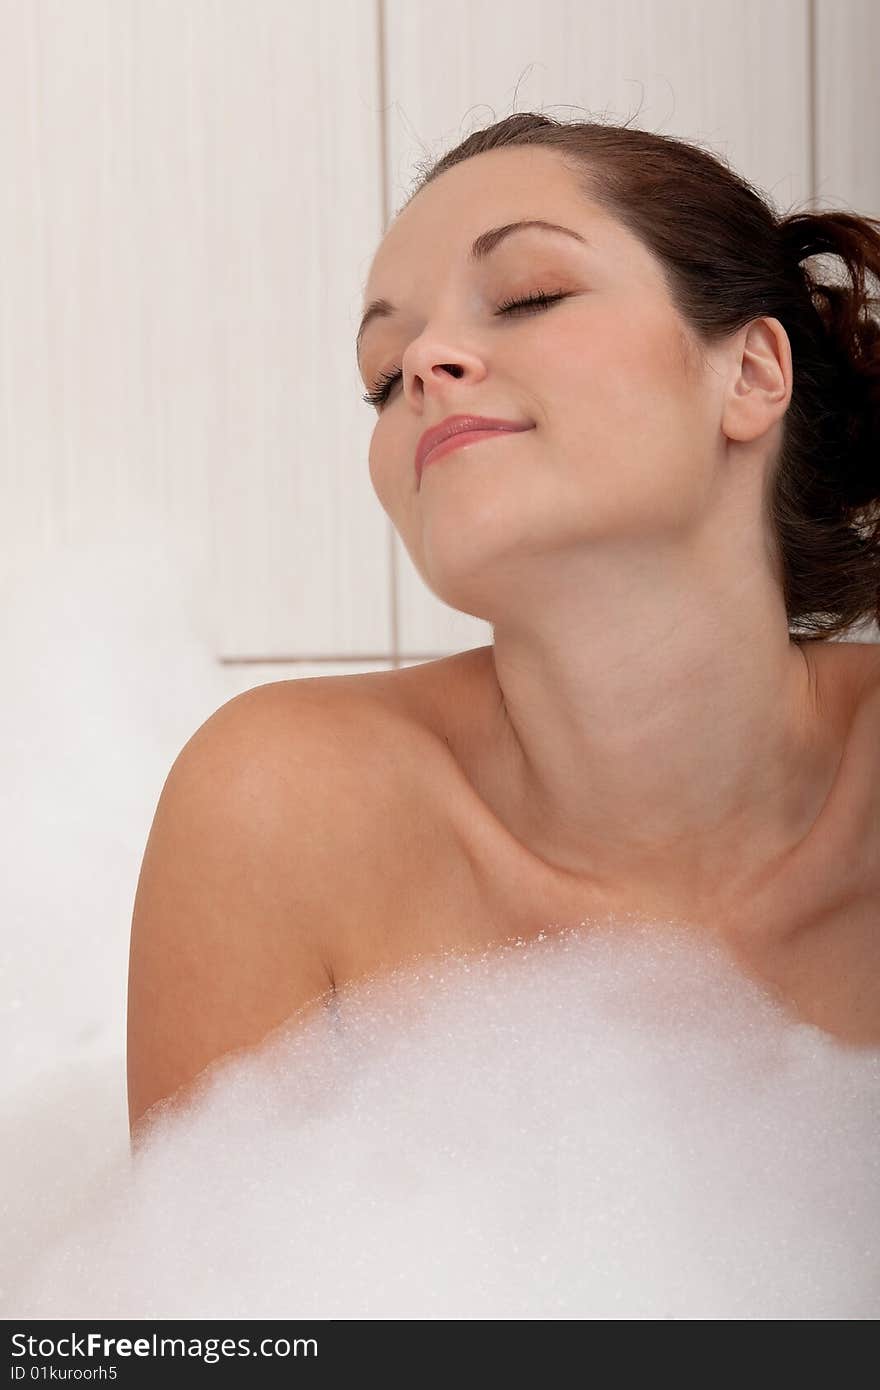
393,482
628,420
617,370
381,470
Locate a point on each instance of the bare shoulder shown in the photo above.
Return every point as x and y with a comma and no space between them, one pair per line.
257,843
309,763
303,740
339,767
338,728
388,810
365,716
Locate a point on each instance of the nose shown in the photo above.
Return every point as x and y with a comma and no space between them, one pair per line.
430,360
454,369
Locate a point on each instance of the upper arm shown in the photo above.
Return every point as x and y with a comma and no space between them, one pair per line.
229,924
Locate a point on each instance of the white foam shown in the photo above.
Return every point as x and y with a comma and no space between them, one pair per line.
611,1122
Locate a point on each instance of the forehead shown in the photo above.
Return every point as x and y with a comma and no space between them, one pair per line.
490,189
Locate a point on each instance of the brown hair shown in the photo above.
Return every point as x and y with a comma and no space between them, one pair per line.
728,258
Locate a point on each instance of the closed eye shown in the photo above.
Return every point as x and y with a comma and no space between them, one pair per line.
533,302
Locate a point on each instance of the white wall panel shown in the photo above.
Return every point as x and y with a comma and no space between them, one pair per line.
847,114
307,541
185,193
735,78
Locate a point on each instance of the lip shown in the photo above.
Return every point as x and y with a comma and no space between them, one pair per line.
460,424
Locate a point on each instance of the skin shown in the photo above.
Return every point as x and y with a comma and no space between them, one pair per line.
656,729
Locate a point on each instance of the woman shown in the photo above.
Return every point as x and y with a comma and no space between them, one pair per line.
679,511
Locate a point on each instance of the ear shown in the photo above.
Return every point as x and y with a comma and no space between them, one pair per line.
761,381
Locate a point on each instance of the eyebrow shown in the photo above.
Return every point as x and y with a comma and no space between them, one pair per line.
483,246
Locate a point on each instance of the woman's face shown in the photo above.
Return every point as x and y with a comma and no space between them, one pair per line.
625,410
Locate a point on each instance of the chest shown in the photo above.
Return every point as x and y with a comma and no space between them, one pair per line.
812,938
444,876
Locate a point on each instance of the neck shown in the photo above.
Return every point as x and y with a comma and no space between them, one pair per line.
677,767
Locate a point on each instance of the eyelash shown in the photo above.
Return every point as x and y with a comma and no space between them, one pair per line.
382,390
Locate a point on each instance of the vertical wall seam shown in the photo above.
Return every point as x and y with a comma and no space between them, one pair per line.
812,101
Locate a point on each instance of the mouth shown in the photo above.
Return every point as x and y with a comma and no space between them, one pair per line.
459,431
465,439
